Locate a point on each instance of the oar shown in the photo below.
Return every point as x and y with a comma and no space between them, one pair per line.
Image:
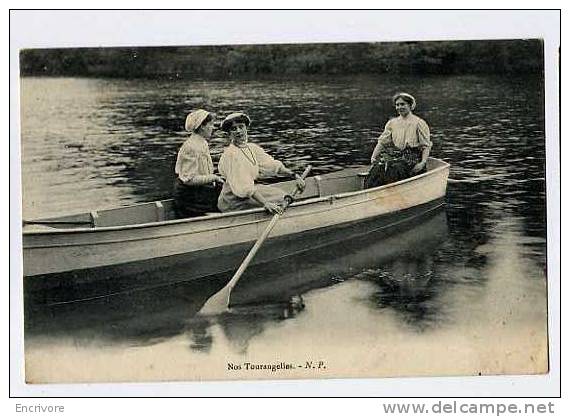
220,301
48,222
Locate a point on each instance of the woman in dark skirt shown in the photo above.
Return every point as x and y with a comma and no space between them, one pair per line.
403,148
196,187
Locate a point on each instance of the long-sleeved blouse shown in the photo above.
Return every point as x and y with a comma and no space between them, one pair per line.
194,164
241,167
406,132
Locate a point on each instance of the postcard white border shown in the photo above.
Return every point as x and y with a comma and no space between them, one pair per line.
41,29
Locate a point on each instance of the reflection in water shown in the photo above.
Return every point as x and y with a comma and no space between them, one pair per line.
407,285
242,323
475,285
266,294
134,318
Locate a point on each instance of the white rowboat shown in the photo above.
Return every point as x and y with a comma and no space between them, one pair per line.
124,244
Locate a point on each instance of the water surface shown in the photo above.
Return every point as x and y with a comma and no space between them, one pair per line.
462,292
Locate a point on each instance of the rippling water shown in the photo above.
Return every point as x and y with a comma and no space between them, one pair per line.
463,292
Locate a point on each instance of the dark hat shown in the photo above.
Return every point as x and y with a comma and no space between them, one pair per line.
238,117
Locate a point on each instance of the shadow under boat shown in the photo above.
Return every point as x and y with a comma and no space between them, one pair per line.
266,292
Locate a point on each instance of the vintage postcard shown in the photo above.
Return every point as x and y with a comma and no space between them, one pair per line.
284,210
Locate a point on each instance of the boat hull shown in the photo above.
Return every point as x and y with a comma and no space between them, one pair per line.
276,288
109,259
216,264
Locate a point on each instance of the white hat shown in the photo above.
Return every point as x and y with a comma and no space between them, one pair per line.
195,119
407,96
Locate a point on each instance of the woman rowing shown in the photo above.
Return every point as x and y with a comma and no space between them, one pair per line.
196,188
241,164
404,146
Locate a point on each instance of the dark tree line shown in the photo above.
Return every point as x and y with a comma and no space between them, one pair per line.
445,57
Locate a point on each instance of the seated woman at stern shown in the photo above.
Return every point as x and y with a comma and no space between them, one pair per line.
241,164
196,187
404,146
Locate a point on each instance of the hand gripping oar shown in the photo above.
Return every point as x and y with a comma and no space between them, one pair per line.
220,301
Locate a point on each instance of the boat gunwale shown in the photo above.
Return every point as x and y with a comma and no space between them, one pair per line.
214,228
237,213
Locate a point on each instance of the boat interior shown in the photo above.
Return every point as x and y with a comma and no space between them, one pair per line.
347,180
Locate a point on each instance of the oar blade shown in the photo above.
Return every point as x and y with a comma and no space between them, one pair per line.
217,304
220,302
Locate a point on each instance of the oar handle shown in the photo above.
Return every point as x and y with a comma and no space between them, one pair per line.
304,175
264,235
290,198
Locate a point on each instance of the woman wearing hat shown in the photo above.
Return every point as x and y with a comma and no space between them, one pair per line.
404,146
241,164
196,188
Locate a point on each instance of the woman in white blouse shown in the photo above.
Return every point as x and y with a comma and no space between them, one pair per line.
404,146
241,164
196,188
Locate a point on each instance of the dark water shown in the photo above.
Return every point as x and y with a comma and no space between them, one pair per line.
460,292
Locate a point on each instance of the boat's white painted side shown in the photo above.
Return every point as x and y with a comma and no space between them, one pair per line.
60,250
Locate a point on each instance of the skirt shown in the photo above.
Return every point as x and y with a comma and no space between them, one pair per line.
395,165
195,200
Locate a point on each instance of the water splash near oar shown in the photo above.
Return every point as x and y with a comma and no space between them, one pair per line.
220,301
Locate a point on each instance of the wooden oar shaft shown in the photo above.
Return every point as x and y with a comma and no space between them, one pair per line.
253,251
221,300
263,237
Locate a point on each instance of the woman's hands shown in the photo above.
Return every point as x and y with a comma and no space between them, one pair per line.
418,167
299,181
273,208
421,165
269,206
216,178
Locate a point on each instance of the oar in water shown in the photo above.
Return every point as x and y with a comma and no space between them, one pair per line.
220,301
